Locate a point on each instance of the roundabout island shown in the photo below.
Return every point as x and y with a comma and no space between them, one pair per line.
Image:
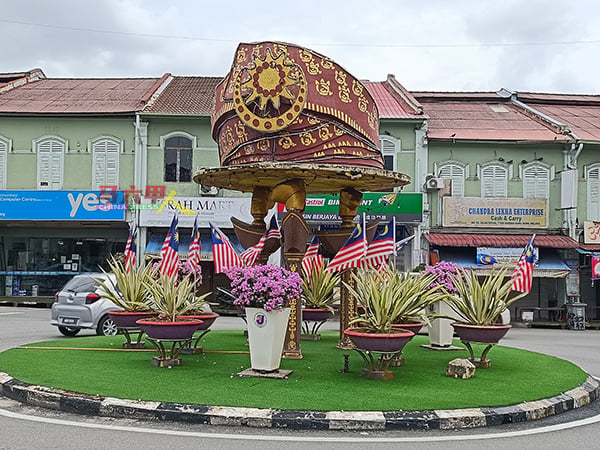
94,376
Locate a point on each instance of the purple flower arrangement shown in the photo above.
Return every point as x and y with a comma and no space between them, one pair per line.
268,286
445,272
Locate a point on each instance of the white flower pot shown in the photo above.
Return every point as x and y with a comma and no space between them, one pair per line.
266,336
440,330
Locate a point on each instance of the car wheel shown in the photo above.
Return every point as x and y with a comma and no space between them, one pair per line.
69,331
106,327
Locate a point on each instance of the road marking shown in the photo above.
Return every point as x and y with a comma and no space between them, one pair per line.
9,313
288,438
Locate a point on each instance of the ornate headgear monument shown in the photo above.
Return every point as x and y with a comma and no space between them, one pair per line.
291,122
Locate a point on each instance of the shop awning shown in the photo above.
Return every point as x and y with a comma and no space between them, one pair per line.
155,243
498,240
547,268
589,249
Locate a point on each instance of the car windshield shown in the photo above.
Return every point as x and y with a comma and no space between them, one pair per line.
83,283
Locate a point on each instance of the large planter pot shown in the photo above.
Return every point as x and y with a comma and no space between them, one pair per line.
378,342
128,319
415,327
316,314
207,319
480,334
180,330
266,337
440,330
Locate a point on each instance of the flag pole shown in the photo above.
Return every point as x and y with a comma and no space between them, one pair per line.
395,251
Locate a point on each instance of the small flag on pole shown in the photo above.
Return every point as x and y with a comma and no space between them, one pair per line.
312,257
380,247
195,249
522,277
273,231
352,252
402,243
131,249
169,252
224,254
250,255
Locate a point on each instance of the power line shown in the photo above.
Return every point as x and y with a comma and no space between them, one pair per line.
325,44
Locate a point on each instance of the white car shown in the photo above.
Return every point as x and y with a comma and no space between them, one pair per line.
80,304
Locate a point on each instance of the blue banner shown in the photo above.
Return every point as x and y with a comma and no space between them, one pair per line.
62,205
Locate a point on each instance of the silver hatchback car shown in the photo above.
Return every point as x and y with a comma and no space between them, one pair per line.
80,304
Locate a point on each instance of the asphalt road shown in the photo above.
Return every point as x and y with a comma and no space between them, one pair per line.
24,427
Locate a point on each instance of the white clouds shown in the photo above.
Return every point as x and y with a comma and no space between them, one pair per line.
433,45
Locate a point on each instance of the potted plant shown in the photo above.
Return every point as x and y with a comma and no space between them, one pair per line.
264,291
373,331
128,291
319,293
478,305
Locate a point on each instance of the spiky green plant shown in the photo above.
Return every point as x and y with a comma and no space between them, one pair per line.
171,298
319,289
390,297
126,290
481,300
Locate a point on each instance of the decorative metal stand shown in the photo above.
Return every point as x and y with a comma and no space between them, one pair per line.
193,347
481,362
168,357
310,329
131,334
377,364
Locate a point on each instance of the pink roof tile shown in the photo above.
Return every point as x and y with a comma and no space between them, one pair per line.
481,115
79,96
185,95
393,100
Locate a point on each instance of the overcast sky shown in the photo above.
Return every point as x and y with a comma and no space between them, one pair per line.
441,45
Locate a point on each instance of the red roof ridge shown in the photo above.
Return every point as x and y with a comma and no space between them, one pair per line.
155,90
403,95
11,80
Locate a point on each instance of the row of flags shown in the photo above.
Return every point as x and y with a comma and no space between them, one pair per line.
355,252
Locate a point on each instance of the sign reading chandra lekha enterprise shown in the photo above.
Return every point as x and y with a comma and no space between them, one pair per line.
495,212
217,210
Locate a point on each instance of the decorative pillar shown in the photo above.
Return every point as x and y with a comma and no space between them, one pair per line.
347,308
291,347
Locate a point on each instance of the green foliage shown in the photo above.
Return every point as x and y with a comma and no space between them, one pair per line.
319,290
128,290
391,297
481,300
172,298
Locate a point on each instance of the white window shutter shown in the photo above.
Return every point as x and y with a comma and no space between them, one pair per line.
455,173
50,164
593,188
105,163
536,182
493,181
3,163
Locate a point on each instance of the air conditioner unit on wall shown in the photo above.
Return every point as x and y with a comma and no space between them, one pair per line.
434,183
208,190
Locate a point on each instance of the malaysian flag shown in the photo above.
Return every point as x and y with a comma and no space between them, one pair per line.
522,277
250,255
273,231
130,249
224,254
352,252
169,251
380,247
194,252
312,257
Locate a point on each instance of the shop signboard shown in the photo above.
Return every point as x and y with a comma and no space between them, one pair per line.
404,207
62,205
495,212
499,255
591,232
217,210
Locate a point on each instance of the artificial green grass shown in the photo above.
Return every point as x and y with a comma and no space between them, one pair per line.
315,384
